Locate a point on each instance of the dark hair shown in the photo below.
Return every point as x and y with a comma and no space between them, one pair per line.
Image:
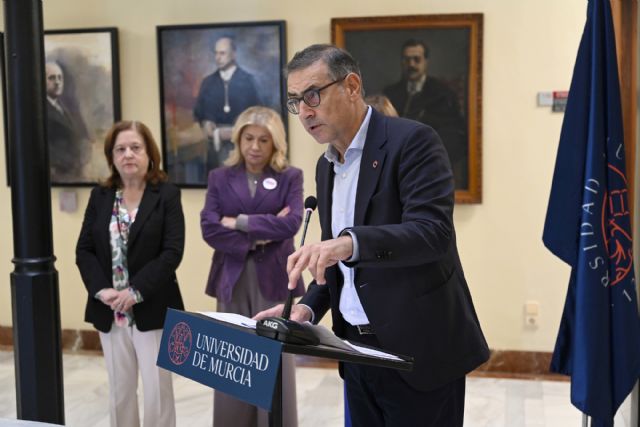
154,174
416,42
338,61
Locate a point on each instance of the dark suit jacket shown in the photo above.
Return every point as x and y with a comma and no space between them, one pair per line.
155,247
65,144
228,195
437,105
409,277
243,93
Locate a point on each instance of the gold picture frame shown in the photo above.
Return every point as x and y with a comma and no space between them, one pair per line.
452,46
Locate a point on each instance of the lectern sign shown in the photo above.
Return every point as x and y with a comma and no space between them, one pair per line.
230,360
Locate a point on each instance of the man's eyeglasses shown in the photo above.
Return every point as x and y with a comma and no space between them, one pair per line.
311,97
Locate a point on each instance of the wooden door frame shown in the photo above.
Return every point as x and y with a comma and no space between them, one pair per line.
625,21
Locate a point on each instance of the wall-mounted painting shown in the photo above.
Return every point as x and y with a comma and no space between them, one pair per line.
82,101
430,69
209,74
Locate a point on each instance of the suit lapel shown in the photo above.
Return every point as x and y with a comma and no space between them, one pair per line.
150,198
325,196
262,192
104,210
371,164
238,184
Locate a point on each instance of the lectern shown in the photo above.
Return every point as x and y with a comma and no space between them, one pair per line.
236,361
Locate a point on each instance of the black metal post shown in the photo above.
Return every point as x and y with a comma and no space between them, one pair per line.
276,416
34,281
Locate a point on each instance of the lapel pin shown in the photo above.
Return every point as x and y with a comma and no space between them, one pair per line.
375,164
269,183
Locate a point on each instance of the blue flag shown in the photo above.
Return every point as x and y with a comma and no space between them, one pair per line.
588,226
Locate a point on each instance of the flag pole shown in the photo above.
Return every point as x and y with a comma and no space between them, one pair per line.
585,420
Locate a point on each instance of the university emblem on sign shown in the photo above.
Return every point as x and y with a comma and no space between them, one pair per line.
180,342
615,225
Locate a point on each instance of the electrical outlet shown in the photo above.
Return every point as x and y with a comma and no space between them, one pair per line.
531,313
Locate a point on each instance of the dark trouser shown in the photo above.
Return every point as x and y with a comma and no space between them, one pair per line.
380,397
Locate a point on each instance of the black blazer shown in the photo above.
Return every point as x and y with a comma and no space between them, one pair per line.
409,277
155,247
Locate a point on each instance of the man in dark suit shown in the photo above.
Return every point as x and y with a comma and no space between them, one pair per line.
64,131
387,266
427,99
223,95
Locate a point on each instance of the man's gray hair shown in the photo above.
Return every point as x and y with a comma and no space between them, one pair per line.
338,61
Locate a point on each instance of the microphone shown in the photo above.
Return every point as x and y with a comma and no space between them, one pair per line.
310,204
281,328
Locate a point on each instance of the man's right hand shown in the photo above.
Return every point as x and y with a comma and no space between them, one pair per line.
317,257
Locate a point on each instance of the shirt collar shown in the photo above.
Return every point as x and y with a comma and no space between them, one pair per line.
415,87
357,143
228,73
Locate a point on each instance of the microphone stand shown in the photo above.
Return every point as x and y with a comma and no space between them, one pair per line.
282,328
286,313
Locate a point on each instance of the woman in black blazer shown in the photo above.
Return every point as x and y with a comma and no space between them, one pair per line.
130,245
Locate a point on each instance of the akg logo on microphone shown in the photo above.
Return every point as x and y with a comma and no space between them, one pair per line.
270,324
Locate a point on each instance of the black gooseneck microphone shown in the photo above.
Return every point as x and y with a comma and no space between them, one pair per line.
310,204
281,328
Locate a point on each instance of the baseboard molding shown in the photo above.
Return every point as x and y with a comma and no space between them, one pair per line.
502,363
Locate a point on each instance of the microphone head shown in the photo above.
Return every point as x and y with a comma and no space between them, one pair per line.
310,203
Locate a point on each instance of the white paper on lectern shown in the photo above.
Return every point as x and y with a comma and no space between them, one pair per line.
233,318
371,352
328,338
324,334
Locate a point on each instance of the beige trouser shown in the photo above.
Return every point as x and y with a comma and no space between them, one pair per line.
125,351
228,411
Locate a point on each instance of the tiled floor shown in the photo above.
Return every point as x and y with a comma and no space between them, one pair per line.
490,402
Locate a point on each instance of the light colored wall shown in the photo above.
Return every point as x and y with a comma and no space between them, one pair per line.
529,46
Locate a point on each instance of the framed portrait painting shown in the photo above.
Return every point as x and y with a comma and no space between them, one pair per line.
209,74
82,102
429,67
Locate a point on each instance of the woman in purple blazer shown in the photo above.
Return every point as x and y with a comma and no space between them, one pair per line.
252,212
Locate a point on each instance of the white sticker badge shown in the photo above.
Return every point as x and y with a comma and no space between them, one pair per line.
269,184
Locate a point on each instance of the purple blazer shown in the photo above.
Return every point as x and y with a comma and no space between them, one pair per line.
228,195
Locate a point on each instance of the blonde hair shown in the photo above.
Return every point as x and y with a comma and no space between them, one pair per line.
382,104
268,119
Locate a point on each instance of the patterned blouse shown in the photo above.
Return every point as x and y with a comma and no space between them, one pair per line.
119,226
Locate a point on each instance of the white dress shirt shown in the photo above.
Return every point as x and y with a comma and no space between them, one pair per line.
345,183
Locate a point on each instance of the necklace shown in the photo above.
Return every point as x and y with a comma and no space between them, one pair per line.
253,177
